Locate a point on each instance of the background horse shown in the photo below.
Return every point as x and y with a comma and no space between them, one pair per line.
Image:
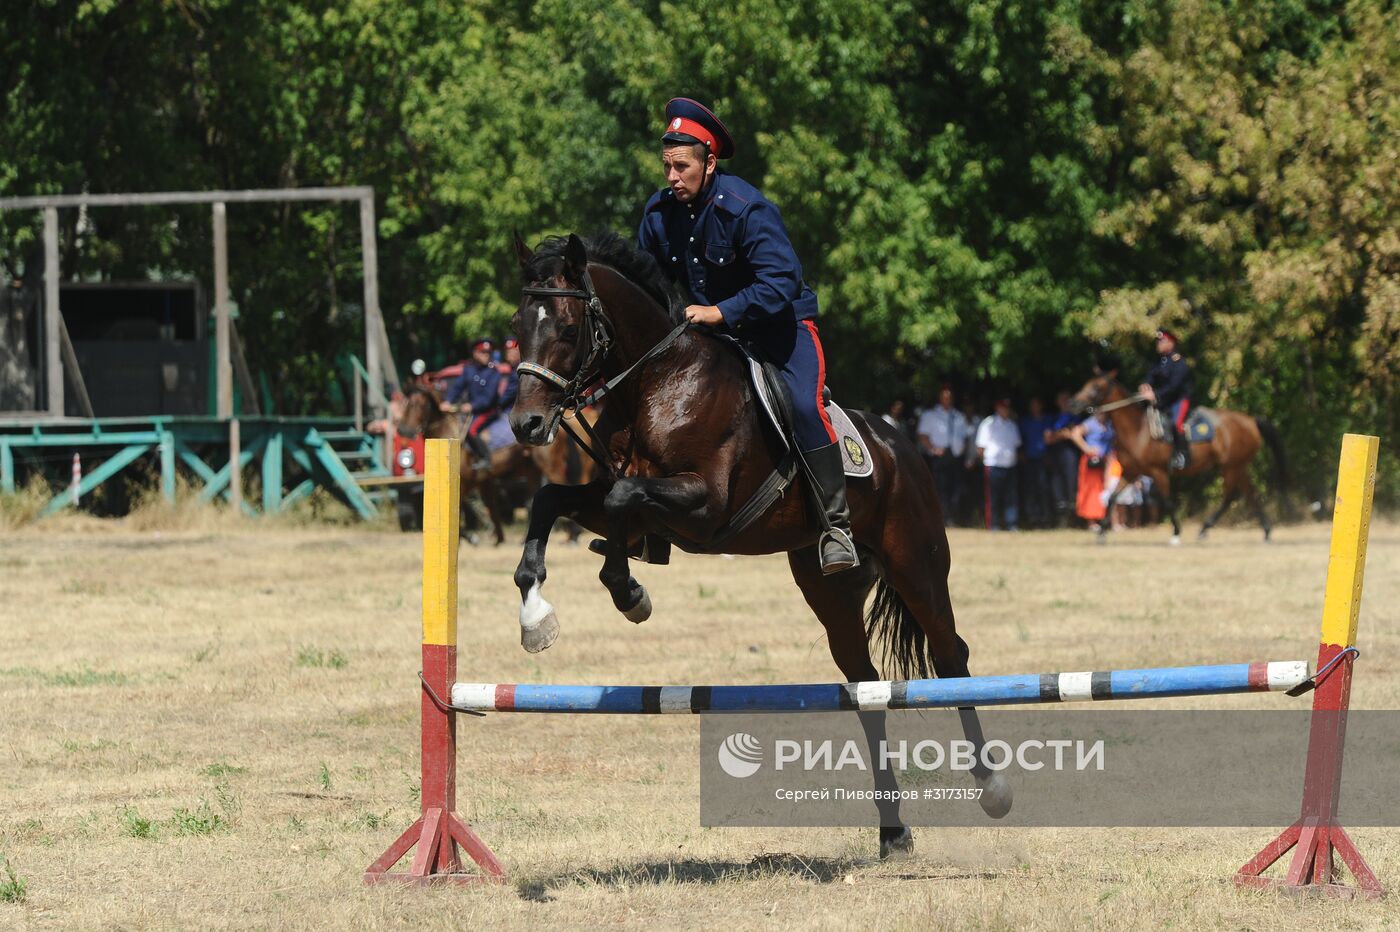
422,414
1238,437
686,450
560,462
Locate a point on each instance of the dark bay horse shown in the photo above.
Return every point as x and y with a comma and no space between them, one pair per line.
1238,437
686,451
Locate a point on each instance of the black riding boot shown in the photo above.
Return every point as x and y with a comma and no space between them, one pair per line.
838,548
1181,451
481,453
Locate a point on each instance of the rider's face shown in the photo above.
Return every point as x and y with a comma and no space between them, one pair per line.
686,170
1165,345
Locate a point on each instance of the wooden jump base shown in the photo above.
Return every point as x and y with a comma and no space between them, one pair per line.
1317,835
1276,676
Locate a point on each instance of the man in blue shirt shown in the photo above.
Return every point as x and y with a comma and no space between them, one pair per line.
725,244
480,385
1062,457
1035,479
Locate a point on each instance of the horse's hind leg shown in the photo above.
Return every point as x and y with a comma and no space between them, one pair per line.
1232,492
1251,495
839,603
916,565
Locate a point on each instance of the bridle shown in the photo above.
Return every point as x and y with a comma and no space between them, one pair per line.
575,398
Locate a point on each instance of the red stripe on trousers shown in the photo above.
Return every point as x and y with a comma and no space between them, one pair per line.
478,422
821,379
1181,418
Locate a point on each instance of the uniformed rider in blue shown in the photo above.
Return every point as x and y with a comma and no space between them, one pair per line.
725,244
481,385
1168,386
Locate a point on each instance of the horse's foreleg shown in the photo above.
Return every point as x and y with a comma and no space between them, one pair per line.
648,502
1107,522
1162,486
539,626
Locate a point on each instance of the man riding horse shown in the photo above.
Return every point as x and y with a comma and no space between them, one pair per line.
724,243
481,385
1168,386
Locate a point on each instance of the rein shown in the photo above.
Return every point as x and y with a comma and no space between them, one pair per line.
600,342
1115,405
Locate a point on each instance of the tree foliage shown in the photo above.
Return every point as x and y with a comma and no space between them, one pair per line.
979,189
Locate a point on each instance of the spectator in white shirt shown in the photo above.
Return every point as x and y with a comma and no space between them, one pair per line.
998,440
942,439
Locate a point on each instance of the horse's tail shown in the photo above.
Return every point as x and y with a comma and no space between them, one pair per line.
892,628
1279,476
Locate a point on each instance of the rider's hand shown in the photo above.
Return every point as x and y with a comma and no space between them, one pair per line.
446,407
704,314
1147,392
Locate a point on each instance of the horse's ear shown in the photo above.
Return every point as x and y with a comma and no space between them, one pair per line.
522,252
575,258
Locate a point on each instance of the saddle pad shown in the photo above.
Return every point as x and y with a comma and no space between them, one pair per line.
1200,425
1199,428
855,456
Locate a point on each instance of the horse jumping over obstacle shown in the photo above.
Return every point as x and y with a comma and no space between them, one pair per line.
440,834
684,454
1238,438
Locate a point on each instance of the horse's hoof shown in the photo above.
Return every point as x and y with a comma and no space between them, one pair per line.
996,795
896,846
1175,541
1203,535
641,611
541,635
1101,539
539,626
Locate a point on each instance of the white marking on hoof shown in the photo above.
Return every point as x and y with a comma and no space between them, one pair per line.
641,611
1175,541
539,626
996,795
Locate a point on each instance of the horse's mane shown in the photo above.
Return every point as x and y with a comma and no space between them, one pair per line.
610,249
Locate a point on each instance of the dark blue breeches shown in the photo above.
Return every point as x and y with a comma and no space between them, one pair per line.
798,354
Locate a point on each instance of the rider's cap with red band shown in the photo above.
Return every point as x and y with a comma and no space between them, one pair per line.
483,344
689,121
511,343
1164,332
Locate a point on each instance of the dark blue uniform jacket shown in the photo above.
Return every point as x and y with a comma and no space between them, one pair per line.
730,248
480,385
1170,379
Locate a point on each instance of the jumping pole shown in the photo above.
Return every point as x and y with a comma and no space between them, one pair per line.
1317,834
439,831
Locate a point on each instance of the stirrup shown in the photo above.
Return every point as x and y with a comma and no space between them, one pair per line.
833,560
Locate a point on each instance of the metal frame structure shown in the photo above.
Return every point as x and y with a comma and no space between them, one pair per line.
304,440
377,357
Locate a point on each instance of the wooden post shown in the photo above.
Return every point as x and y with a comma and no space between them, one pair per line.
1317,834
235,466
369,257
439,831
53,319
223,365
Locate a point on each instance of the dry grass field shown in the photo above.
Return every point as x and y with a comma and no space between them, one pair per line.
210,724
